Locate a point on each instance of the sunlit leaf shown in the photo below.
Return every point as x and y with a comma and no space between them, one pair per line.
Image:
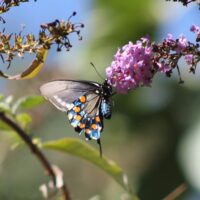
27,102
33,69
10,135
13,136
4,126
83,150
5,107
9,100
24,119
1,97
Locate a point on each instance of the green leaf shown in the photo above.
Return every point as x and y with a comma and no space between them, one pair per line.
9,100
13,136
83,150
1,97
5,107
27,102
4,127
24,119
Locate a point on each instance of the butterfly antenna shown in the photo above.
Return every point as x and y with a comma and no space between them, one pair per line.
97,71
100,148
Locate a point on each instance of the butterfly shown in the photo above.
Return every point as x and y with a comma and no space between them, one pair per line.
86,103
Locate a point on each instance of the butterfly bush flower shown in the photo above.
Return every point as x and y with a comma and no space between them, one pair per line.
195,29
131,67
189,59
182,44
177,45
135,65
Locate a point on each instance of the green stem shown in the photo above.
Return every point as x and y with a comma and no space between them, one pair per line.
36,151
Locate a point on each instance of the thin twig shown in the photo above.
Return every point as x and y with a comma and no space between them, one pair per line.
36,151
176,192
179,74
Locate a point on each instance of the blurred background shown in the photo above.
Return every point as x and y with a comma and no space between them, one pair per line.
154,134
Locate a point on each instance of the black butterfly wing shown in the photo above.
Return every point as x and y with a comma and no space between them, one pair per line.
79,100
62,93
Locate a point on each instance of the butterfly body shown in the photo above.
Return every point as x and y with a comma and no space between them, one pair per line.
86,104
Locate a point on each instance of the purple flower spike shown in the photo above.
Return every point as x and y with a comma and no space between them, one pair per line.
131,67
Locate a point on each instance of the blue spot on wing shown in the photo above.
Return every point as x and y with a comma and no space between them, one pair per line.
106,109
95,134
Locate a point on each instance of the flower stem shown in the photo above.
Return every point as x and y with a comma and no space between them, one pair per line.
36,151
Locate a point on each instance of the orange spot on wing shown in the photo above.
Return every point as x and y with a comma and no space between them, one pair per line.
82,99
82,125
77,109
97,119
87,131
94,126
78,117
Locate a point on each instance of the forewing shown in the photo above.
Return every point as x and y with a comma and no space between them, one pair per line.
62,93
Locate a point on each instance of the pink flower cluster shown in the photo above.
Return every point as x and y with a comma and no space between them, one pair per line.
177,45
181,45
195,29
189,58
131,67
134,65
